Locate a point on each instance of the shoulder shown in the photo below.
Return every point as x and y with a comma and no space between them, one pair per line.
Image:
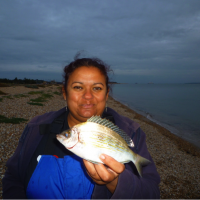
123,122
46,118
131,127
33,125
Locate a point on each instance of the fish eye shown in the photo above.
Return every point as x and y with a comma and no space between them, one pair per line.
67,133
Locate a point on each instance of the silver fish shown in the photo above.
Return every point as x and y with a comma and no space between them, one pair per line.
97,136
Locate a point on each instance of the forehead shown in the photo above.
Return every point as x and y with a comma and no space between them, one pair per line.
87,74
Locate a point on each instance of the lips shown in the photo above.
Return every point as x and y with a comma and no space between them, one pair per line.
87,106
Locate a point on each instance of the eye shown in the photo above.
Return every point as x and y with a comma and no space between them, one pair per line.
97,88
67,133
78,88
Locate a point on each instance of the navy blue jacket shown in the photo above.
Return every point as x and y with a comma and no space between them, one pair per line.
130,184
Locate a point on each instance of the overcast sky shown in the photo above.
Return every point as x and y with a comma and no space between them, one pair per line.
143,41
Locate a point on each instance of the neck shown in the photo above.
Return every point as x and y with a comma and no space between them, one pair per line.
72,121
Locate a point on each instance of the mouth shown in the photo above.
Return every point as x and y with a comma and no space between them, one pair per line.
60,137
87,106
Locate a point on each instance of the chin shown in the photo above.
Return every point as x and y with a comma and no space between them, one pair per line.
88,114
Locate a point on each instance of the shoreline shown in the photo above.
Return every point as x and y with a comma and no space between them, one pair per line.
166,105
182,143
177,160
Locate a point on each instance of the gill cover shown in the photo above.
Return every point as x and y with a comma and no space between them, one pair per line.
68,138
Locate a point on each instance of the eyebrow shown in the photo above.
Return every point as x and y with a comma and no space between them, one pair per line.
82,83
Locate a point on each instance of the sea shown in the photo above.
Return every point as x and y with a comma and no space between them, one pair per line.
173,106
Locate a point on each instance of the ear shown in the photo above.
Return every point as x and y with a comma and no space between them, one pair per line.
107,94
64,93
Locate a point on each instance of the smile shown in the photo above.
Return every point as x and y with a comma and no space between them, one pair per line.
87,105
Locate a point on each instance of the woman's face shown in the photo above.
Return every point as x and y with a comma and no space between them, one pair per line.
86,94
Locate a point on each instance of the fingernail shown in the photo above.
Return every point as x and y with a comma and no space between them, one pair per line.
102,157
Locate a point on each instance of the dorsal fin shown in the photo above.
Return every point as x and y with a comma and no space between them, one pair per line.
109,124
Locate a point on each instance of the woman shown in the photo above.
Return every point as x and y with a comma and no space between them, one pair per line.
60,174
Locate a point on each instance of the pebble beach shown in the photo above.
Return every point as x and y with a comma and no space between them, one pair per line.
177,161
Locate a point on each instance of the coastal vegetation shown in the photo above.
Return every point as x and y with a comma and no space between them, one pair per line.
12,120
4,82
39,100
20,95
2,93
20,81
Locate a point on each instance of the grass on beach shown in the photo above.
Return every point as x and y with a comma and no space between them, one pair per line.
35,104
8,97
57,93
20,95
39,100
35,86
4,85
2,93
12,120
36,92
31,86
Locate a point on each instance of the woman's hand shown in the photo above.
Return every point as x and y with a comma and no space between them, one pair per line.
105,175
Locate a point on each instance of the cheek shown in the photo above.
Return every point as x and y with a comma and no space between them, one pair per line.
101,101
102,97
72,98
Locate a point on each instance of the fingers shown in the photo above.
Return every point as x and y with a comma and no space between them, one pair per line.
91,170
99,172
105,174
114,165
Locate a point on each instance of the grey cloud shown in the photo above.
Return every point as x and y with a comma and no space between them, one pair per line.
42,67
134,35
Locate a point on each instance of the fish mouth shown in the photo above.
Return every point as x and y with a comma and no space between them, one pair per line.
60,137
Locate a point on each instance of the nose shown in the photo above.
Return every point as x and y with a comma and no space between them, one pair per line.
88,94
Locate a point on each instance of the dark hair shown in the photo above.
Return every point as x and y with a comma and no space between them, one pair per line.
88,62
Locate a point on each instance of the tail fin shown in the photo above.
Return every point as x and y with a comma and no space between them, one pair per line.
140,161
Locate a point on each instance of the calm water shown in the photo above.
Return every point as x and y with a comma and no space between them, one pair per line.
174,106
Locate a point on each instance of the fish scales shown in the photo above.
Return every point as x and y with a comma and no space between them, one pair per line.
107,142
96,136
102,137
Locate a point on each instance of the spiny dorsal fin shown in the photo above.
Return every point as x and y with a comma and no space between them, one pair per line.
109,124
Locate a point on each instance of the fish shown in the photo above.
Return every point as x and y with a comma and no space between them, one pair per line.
97,136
